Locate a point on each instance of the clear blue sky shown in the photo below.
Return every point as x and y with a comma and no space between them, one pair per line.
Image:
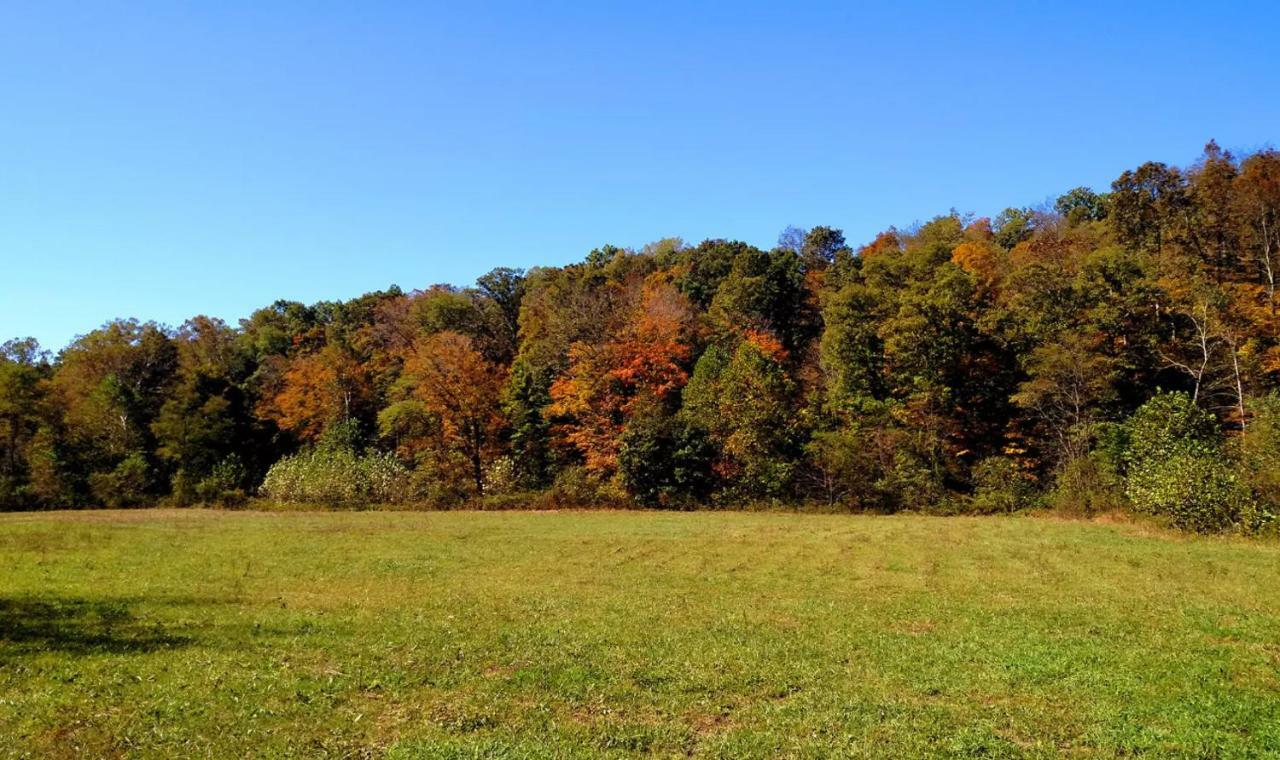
163,159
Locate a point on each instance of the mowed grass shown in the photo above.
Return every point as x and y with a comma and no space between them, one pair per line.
198,633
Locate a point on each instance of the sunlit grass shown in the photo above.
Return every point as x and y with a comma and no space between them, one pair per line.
194,633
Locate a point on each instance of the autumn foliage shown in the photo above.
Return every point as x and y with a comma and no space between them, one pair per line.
979,364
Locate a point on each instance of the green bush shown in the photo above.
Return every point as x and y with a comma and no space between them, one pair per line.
1088,485
1195,488
574,487
665,461
1258,450
1176,468
338,476
999,485
224,484
127,485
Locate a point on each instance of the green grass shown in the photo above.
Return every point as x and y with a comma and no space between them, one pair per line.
194,633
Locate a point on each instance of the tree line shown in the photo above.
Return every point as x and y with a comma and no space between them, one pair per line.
1112,350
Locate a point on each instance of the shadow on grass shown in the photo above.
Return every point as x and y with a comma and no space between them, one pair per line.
30,624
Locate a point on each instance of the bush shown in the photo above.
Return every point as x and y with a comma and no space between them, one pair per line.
1166,425
839,468
1194,488
575,487
878,460
1000,485
1088,485
1258,450
224,484
500,477
127,485
1176,468
338,476
665,461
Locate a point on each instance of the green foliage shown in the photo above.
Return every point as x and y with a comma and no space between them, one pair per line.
746,403
525,399
1088,485
128,484
1258,452
1081,205
338,476
1176,468
343,435
907,373
821,248
1014,225
877,460
1169,424
666,461
575,487
1195,488
23,371
852,352
765,291
1000,485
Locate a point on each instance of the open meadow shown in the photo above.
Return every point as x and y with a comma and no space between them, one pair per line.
190,633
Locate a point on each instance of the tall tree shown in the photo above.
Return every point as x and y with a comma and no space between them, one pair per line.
463,389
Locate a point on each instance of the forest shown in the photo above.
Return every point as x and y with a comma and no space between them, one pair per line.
1114,350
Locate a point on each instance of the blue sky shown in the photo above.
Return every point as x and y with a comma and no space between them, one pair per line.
165,159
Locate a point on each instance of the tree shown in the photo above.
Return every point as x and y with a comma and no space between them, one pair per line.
503,289
205,421
526,399
745,400
1258,202
645,363
1080,205
317,390
664,460
463,389
1013,226
821,247
852,350
1068,381
24,371
110,385
766,292
1146,204
1176,467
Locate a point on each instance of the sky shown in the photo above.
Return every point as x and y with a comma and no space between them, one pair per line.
165,159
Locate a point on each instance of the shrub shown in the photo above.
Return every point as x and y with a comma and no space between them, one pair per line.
1194,488
1176,467
1088,485
665,461
11,493
1000,485
224,484
125,486
877,460
500,477
1258,450
338,476
910,482
1165,426
574,486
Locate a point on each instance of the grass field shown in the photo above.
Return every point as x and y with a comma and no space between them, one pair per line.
199,633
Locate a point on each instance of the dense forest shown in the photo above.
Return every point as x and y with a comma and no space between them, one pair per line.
1114,350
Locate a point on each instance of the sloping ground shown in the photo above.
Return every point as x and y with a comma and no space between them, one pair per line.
191,633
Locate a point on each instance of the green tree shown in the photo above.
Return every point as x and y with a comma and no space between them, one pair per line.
24,371
746,401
